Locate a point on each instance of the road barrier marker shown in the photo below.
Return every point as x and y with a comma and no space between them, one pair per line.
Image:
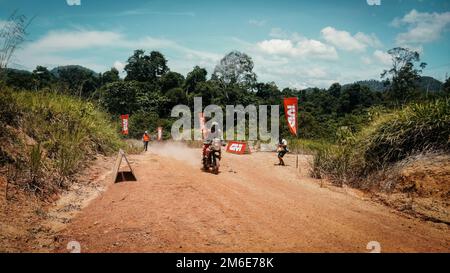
122,176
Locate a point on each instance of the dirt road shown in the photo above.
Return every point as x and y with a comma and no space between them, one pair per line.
251,206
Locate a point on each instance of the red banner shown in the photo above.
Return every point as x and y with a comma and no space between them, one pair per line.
124,124
291,113
160,133
236,147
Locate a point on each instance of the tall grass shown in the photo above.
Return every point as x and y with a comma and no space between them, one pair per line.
307,146
75,116
68,130
415,128
391,137
35,165
9,112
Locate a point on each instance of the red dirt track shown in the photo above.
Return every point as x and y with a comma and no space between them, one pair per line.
251,206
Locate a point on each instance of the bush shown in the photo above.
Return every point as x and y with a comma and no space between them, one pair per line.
129,97
390,138
416,128
335,160
9,112
141,122
307,146
69,129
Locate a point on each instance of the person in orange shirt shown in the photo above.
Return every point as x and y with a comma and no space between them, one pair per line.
146,140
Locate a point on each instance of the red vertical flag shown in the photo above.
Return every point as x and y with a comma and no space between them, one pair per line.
124,124
291,113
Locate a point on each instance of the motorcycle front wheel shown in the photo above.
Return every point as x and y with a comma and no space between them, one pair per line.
215,164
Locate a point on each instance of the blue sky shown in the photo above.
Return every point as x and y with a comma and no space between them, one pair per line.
293,43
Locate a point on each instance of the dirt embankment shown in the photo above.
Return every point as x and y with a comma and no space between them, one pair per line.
30,223
418,185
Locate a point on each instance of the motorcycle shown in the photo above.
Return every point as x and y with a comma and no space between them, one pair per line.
212,154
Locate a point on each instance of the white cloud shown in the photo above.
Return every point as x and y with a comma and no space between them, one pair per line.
73,2
292,60
54,48
423,27
57,41
258,23
279,33
382,57
28,60
119,66
307,48
370,40
294,74
65,41
277,46
315,72
342,39
345,41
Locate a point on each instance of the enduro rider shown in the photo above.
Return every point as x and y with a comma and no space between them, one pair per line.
213,133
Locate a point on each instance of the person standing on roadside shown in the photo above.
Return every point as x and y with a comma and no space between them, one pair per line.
146,140
282,150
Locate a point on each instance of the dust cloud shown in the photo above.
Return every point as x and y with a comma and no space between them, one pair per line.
178,151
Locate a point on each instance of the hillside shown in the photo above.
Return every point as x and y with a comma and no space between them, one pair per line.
46,142
402,156
47,138
425,83
61,69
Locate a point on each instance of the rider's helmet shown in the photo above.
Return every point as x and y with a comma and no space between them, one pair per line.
146,132
214,127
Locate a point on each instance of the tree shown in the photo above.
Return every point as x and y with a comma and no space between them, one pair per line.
335,90
356,97
446,87
268,93
176,96
171,80
158,65
128,97
42,77
236,68
18,79
146,68
402,78
79,80
209,91
110,76
142,121
196,76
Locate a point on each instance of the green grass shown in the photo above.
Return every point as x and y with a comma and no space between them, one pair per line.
416,128
389,138
307,146
68,132
67,119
